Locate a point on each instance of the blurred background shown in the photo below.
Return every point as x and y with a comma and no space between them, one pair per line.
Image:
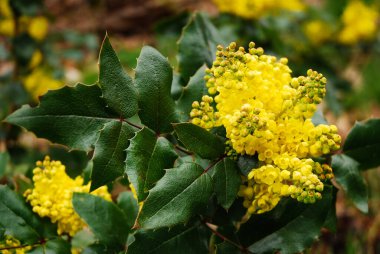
45,45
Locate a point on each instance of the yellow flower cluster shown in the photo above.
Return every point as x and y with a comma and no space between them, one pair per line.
36,27
253,9
318,31
268,113
39,82
11,242
52,195
359,22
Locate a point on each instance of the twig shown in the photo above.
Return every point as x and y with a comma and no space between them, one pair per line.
214,163
132,124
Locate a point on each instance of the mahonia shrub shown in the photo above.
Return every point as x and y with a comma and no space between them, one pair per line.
225,154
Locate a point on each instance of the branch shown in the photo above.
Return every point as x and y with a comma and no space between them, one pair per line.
224,238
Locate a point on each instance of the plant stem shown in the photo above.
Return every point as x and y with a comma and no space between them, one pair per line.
213,163
183,150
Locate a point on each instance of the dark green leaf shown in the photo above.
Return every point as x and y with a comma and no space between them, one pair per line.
71,116
199,140
17,218
4,159
363,143
347,175
226,178
192,92
109,156
117,87
197,45
129,205
290,228
107,221
148,156
227,248
180,239
53,246
247,163
153,81
179,195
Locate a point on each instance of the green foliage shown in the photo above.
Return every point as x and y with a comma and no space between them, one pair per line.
347,175
199,140
181,193
110,153
363,143
117,87
107,221
153,81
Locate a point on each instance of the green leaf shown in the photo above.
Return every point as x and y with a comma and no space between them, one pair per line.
247,163
199,140
129,205
153,81
363,143
53,246
4,159
110,153
192,92
107,221
117,87
347,175
17,218
290,228
226,178
227,248
71,116
180,239
147,157
197,45
179,195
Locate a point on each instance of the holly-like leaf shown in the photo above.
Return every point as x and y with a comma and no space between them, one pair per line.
71,116
363,143
197,45
227,248
186,240
226,178
347,175
4,159
247,163
153,81
109,156
53,246
148,156
117,87
17,218
178,196
129,205
192,92
199,140
289,228
107,221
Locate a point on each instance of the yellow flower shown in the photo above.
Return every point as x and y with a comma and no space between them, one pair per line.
268,113
36,59
12,242
359,23
52,194
252,9
318,31
38,28
5,9
39,82
7,27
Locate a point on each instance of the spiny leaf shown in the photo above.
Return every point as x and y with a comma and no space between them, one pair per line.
226,178
199,140
153,81
107,221
129,205
117,87
178,196
194,91
363,143
110,153
347,175
71,116
197,45
148,156
189,240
